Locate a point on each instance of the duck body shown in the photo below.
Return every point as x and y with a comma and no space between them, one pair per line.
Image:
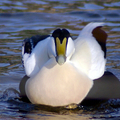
55,88
61,70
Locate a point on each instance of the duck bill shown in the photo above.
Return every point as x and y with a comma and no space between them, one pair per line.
60,59
61,51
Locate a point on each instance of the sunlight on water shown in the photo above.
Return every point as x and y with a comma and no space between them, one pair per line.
25,18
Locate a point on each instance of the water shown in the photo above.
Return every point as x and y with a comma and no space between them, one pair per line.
24,18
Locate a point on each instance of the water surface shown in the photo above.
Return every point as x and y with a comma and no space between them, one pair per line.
24,18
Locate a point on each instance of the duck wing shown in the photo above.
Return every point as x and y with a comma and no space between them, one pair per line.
106,87
34,53
90,50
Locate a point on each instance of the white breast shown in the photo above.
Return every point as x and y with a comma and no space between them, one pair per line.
58,85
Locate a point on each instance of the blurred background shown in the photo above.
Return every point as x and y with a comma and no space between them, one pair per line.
20,19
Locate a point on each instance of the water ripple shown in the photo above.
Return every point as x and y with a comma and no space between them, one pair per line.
21,19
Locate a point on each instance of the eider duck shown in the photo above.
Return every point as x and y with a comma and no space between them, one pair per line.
61,71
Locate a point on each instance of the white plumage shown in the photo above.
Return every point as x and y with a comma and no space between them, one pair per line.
34,61
55,84
88,56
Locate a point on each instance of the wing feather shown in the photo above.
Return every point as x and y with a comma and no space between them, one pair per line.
34,53
89,56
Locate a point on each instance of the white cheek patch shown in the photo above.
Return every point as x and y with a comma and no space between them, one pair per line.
70,48
51,48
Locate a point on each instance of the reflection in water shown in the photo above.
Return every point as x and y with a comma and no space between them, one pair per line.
14,107
25,18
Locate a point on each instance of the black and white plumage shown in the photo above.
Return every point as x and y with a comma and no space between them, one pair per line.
61,70
29,53
30,43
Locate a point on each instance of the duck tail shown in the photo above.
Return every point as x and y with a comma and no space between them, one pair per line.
87,30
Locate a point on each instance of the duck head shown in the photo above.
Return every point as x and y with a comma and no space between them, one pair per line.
62,46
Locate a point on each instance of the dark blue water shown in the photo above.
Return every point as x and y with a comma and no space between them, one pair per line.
21,19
